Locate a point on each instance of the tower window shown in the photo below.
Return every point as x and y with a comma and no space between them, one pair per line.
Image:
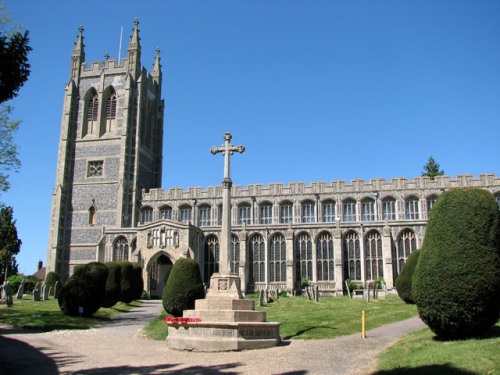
90,124
95,168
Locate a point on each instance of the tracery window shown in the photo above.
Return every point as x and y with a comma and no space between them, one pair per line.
368,210
303,257
185,214
328,211
389,208
431,200
166,213
277,258
212,257
266,213
90,123
120,249
286,212
257,259
373,256
308,212
411,208
146,215
324,257
349,207
235,254
406,243
352,256
244,214
204,216
95,168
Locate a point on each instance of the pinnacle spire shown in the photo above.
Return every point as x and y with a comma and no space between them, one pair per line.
78,49
134,38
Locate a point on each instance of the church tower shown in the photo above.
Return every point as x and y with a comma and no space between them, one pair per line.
110,149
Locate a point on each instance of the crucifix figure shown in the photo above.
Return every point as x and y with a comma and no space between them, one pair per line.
227,149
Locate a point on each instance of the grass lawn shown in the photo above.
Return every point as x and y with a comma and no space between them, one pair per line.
330,317
47,316
420,352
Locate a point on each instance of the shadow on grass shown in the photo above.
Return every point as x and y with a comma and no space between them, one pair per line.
426,370
492,333
160,369
302,331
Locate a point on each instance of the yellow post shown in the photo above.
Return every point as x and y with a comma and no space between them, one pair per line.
363,324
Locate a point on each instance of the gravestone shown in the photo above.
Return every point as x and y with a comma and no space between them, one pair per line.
20,291
57,289
316,293
308,293
277,294
45,292
261,298
36,292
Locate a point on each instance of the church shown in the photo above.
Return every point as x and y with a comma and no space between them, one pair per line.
108,203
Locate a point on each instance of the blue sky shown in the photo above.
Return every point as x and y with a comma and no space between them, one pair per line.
315,90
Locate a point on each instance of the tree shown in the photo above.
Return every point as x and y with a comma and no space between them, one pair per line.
431,169
10,244
9,160
456,283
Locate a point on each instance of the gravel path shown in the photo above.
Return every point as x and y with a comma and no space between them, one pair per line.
118,348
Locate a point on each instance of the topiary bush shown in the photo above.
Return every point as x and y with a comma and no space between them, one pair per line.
113,284
84,292
184,286
456,284
137,281
51,279
404,279
127,274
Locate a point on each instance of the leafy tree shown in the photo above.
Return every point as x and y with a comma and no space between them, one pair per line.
431,169
10,244
9,160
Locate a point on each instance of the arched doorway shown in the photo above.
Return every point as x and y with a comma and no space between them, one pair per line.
159,270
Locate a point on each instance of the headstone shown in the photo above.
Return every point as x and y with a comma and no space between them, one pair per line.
36,292
308,293
277,294
261,297
316,293
20,291
7,293
51,291
267,296
57,289
45,292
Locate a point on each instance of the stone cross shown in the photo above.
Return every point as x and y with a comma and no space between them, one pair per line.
227,149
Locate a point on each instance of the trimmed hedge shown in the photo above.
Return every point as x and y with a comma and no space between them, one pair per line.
84,289
404,280
137,281
456,283
184,286
113,284
127,291
51,279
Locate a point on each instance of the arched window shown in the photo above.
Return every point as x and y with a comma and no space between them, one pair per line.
431,199
244,214
406,243
286,212
166,212
389,208
308,212
328,211
109,122
92,215
185,214
120,249
352,256
235,254
411,208
90,122
373,256
146,215
349,207
277,258
324,257
204,215
257,259
212,257
266,213
368,210
303,257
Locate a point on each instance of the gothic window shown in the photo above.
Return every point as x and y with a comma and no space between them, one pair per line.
373,256
120,249
349,207
146,215
308,215
204,216
95,168
431,200
352,256
166,213
244,214
212,259
328,211
277,258
257,259
110,112
406,243
368,210
324,257
92,215
411,208
90,122
286,212
235,254
266,213
303,257
185,214
389,208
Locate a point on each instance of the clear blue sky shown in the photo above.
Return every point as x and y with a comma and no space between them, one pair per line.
315,90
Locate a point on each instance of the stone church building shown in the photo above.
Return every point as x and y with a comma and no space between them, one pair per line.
108,204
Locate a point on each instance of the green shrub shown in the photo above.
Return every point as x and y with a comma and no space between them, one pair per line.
137,281
84,292
351,285
29,282
113,284
51,279
404,280
183,287
127,273
456,283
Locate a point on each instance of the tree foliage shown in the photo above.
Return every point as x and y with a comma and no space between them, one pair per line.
404,280
431,169
9,160
52,278
456,284
10,244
